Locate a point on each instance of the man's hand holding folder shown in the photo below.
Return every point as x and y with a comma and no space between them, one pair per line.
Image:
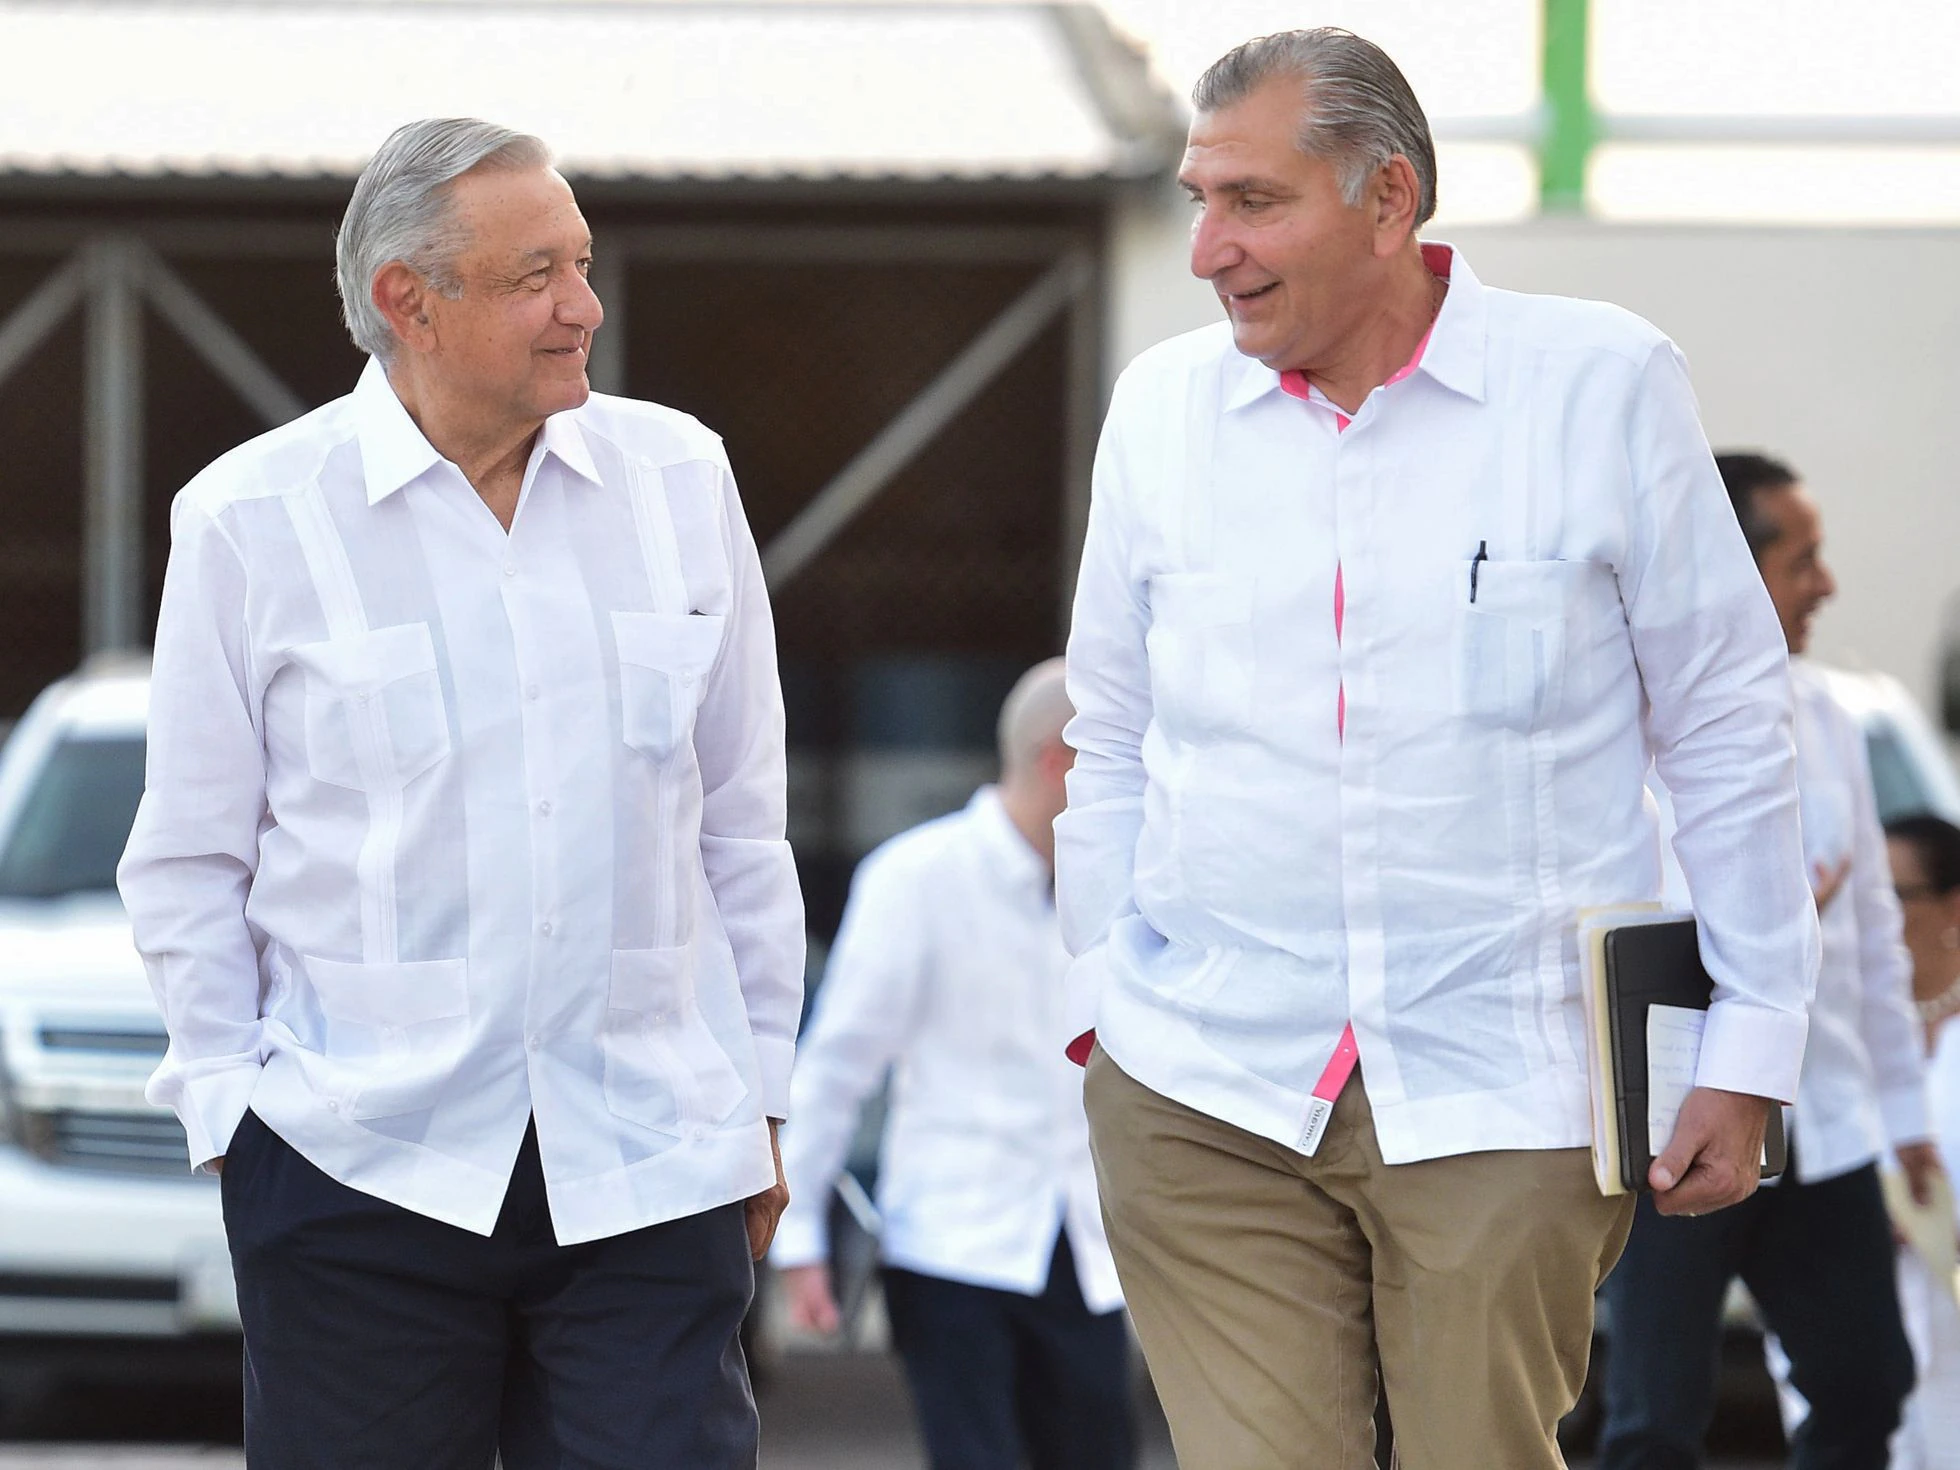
1647,994
1714,1159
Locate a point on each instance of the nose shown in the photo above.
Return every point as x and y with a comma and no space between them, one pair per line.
579,306
1214,244
1826,583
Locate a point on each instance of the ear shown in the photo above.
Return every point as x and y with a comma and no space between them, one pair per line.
1057,756
402,296
1397,198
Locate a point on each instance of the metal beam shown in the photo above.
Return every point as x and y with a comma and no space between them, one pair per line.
212,338
112,448
212,239
915,425
848,244
220,239
1847,130
1571,128
30,323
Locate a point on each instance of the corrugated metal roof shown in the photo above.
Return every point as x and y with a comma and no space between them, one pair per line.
619,90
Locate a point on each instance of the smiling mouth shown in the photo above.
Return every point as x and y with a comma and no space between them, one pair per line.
1252,295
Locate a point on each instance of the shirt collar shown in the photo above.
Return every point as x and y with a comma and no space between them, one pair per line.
394,452
1452,354
1008,852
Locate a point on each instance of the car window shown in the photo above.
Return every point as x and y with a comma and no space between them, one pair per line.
75,820
1895,779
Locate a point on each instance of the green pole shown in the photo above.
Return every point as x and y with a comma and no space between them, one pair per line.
1570,130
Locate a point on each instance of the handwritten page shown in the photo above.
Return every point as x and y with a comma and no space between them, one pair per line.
1673,1049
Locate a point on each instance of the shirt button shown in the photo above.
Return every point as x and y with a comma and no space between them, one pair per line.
698,1133
333,1104
544,808
545,928
510,569
533,1042
530,691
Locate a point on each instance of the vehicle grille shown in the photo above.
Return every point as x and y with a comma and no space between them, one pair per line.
147,1142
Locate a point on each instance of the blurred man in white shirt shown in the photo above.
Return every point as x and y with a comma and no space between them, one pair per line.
1393,584
460,875
947,972
1816,1250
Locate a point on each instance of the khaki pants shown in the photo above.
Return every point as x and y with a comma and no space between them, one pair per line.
1268,1288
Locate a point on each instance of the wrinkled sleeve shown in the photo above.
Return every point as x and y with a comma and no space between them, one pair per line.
739,745
864,1011
194,848
1715,669
1109,685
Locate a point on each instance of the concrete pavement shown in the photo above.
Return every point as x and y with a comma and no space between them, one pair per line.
820,1411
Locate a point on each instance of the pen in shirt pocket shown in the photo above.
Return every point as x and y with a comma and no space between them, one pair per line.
1477,561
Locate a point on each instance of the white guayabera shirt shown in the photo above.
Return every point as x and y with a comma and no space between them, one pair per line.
948,972
446,827
1277,829
1863,1090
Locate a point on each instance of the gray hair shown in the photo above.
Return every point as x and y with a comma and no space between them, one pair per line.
401,211
1032,717
1361,111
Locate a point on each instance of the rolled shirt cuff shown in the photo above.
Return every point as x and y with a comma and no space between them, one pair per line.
1752,1049
209,1096
773,1060
1907,1117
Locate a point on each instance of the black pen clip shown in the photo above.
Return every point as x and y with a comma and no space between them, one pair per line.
1482,556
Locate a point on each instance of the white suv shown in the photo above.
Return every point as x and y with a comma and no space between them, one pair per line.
108,1243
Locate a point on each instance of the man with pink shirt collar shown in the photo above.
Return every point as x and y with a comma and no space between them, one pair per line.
1394,585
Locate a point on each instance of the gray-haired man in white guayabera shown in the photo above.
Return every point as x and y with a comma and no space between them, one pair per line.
948,971
461,875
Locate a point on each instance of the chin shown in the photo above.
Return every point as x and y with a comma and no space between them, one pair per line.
561,398
1254,342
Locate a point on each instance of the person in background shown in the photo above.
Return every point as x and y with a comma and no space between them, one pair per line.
460,874
1393,582
947,970
1925,853
1816,1250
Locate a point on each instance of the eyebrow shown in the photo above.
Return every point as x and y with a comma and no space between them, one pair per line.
543,255
1238,186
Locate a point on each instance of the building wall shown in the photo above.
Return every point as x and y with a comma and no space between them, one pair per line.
1830,348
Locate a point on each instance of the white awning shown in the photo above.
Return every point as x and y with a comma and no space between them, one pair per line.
621,90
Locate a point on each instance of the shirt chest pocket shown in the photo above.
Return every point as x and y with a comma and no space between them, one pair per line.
1518,641
375,714
1201,651
664,659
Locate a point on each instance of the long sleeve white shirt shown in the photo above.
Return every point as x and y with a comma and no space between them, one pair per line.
1277,829
948,971
447,827
1863,1089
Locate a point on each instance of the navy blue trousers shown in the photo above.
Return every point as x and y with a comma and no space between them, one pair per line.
1818,1259
1001,1381
376,1338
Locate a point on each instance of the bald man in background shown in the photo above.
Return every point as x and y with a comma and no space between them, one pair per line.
948,971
